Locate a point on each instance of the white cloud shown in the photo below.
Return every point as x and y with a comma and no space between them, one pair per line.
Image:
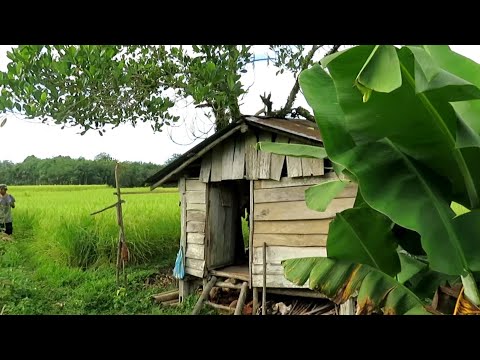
20,138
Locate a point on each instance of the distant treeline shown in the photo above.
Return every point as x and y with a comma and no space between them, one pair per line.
63,170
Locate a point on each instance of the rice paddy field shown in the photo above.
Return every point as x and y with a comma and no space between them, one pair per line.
60,259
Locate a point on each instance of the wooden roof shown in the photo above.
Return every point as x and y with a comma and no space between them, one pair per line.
304,130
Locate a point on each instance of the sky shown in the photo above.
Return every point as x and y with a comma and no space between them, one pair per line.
23,137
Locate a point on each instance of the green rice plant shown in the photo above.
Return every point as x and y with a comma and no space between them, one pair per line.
66,233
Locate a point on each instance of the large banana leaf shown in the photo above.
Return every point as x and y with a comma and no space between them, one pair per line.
449,87
319,196
410,267
390,180
364,236
464,68
297,150
425,129
339,280
380,72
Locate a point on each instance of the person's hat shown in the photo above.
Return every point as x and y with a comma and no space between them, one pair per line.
3,186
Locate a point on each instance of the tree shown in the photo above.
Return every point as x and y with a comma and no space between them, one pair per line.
103,157
172,158
93,86
404,125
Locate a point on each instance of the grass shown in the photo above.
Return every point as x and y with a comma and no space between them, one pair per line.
60,259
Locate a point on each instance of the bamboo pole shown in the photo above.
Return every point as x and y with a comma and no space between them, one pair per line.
108,207
264,292
122,252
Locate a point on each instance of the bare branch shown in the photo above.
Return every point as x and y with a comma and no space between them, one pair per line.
296,87
259,112
268,103
203,105
333,50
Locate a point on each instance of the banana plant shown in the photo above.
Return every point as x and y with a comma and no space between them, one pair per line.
404,124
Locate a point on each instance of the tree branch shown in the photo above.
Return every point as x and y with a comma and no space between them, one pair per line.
268,103
261,111
333,50
204,106
305,113
296,87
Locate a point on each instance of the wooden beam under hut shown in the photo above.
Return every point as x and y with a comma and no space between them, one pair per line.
220,307
166,296
145,193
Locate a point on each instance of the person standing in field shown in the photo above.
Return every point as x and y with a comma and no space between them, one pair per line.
7,203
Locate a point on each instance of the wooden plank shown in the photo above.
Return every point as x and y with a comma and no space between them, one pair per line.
251,232
264,158
276,281
183,215
294,164
198,155
298,210
287,181
227,158
251,168
318,167
277,161
290,239
196,215
295,193
349,191
195,251
195,226
195,238
221,230
195,185
275,254
238,167
206,167
307,166
272,269
195,264
194,272
292,227
228,274
217,156
201,207
195,197
292,193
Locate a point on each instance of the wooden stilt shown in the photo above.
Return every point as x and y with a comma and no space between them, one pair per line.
255,301
204,295
241,299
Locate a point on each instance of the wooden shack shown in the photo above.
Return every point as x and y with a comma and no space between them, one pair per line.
224,178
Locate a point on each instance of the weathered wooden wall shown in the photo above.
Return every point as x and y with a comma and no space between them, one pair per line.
290,229
237,158
193,219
